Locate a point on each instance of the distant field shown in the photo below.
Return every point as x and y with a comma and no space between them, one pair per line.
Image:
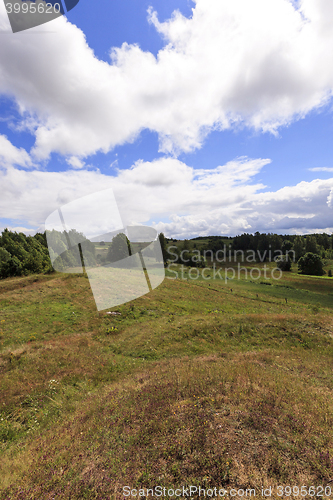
208,382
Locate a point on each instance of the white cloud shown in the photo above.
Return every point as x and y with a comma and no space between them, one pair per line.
167,186
19,229
306,207
75,162
32,196
10,155
234,63
187,202
321,169
330,199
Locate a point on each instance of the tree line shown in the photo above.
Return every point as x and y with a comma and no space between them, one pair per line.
22,255
320,244
308,251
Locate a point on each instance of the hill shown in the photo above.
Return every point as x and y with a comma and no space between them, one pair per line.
211,383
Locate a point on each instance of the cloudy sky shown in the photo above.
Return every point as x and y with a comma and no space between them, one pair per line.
205,116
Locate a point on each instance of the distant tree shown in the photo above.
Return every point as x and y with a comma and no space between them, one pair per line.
255,241
64,250
102,243
330,273
286,246
311,244
263,245
311,264
276,242
79,238
243,242
298,247
324,241
163,244
283,262
119,249
196,260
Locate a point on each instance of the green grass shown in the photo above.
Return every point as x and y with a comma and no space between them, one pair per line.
201,382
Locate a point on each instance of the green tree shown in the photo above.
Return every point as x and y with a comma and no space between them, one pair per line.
263,246
163,244
311,264
311,244
5,257
119,249
286,246
14,267
276,242
186,245
28,254
298,247
255,242
283,262
196,260
324,241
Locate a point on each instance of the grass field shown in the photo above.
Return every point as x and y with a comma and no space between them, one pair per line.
206,382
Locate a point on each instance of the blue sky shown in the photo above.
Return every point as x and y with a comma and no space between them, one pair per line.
209,118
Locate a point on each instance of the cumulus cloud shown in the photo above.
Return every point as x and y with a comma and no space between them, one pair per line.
233,63
168,186
303,208
32,196
75,162
182,201
10,155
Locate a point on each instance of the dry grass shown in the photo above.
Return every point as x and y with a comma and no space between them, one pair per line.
248,420
191,384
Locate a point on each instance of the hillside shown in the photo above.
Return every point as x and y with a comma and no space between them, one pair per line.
212,383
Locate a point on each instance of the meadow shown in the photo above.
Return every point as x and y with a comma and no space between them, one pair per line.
209,383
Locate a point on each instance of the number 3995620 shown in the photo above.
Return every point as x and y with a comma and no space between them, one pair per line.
304,491
32,8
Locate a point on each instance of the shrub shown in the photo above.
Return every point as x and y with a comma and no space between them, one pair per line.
311,264
283,262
